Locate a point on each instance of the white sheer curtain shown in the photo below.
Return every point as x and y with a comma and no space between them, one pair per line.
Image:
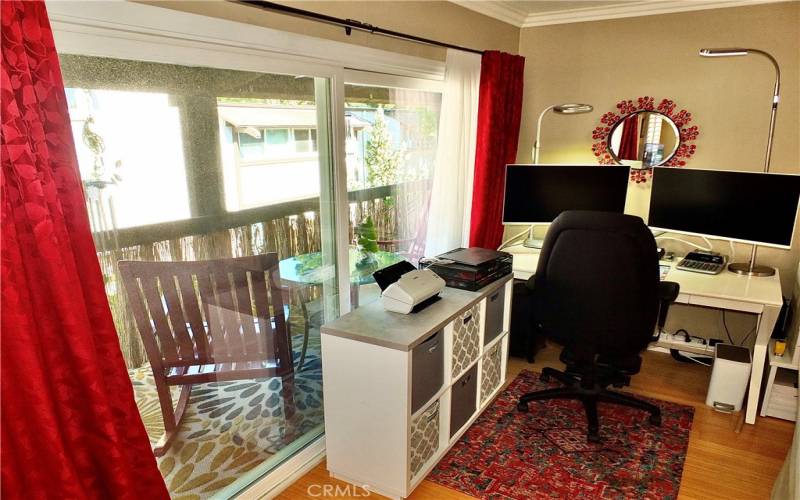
451,194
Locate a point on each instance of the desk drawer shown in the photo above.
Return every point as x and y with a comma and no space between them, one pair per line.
466,339
462,399
491,367
495,307
424,437
732,305
427,370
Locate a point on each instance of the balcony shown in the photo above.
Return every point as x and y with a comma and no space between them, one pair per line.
250,415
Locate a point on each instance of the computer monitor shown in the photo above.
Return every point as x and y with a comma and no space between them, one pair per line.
748,207
537,194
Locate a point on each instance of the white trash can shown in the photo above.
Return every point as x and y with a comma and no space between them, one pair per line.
729,377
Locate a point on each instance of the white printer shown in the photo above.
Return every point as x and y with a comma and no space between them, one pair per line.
413,290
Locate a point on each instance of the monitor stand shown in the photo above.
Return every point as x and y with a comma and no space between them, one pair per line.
746,269
532,242
751,268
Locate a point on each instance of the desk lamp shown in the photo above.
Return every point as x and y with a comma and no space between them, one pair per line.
750,268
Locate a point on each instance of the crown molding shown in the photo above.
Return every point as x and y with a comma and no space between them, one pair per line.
503,11
633,9
506,11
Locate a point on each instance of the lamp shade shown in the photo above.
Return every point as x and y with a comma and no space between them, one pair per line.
726,52
572,108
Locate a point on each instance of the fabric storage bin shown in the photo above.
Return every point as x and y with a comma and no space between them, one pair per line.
427,370
462,399
424,437
493,324
491,366
466,339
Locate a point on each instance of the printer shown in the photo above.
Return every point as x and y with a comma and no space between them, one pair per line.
406,289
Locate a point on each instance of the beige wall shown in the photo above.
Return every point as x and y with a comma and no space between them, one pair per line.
602,62
437,20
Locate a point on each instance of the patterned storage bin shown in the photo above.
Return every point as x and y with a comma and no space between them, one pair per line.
424,437
491,366
466,339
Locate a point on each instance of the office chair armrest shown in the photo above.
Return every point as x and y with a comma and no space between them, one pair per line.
668,291
531,283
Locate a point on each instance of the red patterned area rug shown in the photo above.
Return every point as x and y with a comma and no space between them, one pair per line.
544,453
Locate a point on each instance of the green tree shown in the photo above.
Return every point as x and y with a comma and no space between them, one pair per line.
383,161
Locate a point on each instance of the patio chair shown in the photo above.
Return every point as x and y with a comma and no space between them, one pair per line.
208,321
298,295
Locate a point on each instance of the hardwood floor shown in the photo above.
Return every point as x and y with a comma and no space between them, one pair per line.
720,463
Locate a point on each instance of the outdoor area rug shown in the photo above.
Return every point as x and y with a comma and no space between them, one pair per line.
230,427
506,454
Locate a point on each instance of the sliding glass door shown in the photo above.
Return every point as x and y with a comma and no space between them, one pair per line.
242,187
391,138
183,165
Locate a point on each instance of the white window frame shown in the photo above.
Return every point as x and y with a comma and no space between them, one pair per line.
125,30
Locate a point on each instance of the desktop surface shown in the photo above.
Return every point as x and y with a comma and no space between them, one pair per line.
725,285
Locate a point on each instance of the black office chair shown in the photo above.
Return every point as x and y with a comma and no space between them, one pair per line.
597,292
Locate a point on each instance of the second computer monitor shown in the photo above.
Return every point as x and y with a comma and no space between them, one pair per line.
750,207
537,194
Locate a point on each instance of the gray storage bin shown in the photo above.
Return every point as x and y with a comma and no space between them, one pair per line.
424,437
462,399
491,367
466,339
494,315
427,370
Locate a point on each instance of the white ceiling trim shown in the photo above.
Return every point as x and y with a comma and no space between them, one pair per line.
512,15
504,11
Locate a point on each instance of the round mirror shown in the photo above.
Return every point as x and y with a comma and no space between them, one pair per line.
643,139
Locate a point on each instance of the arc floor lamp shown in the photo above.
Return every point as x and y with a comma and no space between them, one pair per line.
750,268
561,109
569,108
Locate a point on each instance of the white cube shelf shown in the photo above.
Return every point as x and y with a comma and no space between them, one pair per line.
377,433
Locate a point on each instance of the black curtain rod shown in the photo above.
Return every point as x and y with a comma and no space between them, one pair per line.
349,24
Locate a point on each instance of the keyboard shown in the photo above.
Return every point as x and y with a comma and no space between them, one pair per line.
701,262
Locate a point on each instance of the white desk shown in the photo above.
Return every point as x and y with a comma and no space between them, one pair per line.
525,261
754,295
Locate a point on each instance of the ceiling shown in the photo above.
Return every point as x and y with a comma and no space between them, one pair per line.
526,14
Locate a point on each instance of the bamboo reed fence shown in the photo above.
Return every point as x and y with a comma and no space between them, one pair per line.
289,229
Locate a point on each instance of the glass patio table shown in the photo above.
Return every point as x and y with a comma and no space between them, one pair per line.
307,269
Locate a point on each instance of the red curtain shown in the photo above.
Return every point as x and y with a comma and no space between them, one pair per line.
499,111
629,142
70,427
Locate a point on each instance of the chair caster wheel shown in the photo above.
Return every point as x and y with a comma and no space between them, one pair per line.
522,407
655,420
593,437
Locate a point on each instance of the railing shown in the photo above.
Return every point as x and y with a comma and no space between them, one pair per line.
289,229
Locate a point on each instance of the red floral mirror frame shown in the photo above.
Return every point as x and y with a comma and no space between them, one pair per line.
625,108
